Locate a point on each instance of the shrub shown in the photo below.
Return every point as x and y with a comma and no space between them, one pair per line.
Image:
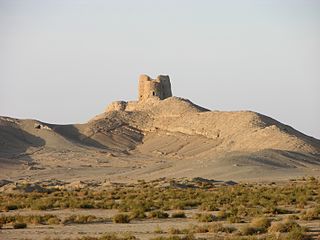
158,230
121,218
283,227
261,223
158,214
296,233
281,211
234,219
199,229
173,230
248,230
178,215
311,214
19,225
205,217
10,207
138,214
222,215
80,219
53,221
218,227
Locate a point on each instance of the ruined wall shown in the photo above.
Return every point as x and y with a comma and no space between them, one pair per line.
159,88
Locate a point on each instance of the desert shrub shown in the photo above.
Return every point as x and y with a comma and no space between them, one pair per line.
283,227
121,218
178,215
292,217
158,230
86,205
222,214
280,211
208,206
199,229
246,238
218,227
80,219
109,236
311,214
296,233
173,230
204,217
53,221
138,214
249,230
19,225
10,207
175,237
261,223
32,219
256,226
158,214
234,219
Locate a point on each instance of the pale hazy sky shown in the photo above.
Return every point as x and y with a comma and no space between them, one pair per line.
63,61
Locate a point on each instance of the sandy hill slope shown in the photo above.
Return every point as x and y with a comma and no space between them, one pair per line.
151,139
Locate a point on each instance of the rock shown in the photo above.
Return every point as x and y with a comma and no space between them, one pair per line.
117,106
4,182
31,187
41,126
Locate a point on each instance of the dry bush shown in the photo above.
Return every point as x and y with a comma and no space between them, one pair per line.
158,214
205,217
178,215
19,225
121,218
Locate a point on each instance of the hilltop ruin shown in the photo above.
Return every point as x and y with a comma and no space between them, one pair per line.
159,88
154,89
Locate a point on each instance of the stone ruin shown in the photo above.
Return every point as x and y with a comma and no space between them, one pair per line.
159,88
156,89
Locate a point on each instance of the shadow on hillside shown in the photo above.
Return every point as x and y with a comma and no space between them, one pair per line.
14,145
71,133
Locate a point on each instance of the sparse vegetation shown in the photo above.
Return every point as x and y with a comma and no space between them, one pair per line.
121,218
205,217
244,211
158,214
178,215
19,225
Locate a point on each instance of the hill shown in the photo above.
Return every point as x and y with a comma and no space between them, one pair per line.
152,138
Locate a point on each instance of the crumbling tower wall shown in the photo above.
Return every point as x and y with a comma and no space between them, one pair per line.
159,88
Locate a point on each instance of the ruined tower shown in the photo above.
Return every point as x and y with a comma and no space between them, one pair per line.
159,88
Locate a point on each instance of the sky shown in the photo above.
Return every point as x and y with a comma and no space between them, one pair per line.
64,61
